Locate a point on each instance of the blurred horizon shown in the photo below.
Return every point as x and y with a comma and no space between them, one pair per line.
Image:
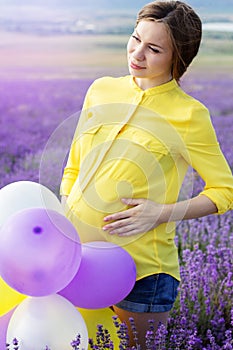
56,17
223,5
54,39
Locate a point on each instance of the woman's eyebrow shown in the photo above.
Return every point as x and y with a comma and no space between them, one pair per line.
152,44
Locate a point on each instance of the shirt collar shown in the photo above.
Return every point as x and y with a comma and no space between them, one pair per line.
154,90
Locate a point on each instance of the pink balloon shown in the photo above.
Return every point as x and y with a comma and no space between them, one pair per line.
40,251
4,321
106,275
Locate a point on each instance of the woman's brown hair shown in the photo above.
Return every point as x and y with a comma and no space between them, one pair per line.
184,27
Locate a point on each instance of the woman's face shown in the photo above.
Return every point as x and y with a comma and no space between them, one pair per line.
150,54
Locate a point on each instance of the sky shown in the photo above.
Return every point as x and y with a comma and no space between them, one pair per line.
76,3
14,8
38,8
109,4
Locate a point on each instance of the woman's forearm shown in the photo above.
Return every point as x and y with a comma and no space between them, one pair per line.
144,214
189,209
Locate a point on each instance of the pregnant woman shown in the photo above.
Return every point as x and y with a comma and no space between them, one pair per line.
136,137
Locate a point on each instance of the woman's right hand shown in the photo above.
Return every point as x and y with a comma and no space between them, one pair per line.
63,201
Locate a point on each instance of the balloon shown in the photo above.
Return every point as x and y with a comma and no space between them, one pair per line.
4,321
46,321
9,298
106,275
102,317
40,251
26,194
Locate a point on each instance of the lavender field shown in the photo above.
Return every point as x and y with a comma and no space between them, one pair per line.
35,116
49,57
38,115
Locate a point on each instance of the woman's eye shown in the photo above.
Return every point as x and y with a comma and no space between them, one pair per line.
154,50
135,37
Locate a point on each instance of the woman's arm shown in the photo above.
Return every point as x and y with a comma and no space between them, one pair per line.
146,214
63,201
189,209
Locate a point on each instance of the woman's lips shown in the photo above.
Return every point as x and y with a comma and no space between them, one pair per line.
135,66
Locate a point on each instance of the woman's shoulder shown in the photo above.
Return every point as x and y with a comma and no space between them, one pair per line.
108,90
191,101
110,81
192,107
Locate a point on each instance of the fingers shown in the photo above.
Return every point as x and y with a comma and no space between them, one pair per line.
122,228
133,201
126,213
119,216
129,232
135,220
117,226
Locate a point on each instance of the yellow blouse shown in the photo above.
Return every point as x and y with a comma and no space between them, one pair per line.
131,143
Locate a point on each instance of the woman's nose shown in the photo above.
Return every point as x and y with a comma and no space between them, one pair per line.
138,53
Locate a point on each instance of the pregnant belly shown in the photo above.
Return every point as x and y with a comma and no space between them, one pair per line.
114,180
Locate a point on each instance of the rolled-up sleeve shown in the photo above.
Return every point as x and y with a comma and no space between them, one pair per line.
204,154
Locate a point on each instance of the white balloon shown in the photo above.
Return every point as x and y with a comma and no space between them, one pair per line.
26,194
50,321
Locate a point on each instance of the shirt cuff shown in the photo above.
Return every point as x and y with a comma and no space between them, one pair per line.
222,202
66,186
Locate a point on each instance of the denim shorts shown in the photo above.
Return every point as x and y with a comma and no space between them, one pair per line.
155,293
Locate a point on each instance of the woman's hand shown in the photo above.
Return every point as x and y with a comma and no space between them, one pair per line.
63,201
146,214
142,217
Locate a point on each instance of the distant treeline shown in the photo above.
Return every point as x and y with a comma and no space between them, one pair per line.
115,22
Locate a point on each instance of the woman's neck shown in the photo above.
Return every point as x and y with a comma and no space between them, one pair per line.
146,84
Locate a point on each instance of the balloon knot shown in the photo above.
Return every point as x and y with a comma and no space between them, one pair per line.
37,230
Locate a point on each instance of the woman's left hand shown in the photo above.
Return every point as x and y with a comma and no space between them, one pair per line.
142,217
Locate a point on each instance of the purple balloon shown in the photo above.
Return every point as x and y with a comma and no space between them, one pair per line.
106,275
40,251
